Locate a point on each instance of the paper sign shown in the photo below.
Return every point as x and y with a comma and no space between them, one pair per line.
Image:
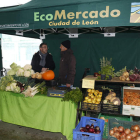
88,82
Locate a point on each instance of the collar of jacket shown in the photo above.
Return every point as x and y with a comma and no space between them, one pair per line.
69,51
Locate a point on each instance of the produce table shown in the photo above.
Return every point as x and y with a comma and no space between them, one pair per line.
92,81
40,112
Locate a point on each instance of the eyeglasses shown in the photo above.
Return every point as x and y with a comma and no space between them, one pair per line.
44,47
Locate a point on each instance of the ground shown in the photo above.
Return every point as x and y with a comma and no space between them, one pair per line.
15,132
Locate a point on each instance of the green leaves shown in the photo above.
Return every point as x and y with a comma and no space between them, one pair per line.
74,95
5,81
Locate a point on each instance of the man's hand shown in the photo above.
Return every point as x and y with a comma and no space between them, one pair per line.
44,69
68,85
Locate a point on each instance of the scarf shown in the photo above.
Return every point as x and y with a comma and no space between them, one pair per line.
43,57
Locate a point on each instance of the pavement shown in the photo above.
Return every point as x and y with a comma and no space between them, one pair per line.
15,132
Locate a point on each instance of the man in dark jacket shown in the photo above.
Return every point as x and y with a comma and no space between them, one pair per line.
42,60
67,68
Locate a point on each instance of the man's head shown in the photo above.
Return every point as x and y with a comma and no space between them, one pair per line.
65,45
43,48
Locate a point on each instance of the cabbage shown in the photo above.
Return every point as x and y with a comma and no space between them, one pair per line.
20,72
32,72
13,86
13,65
27,73
27,67
8,88
16,68
11,72
16,89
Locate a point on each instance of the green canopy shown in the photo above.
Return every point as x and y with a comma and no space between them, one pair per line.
43,14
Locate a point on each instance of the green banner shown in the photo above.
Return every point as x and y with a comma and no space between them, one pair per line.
88,14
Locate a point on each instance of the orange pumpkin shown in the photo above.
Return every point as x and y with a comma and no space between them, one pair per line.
48,75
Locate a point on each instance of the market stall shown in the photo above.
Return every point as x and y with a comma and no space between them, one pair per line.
49,18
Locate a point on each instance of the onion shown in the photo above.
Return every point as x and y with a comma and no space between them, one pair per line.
127,131
129,137
121,129
138,132
115,129
117,134
111,132
136,128
122,135
132,127
134,134
138,138
123,139
114,135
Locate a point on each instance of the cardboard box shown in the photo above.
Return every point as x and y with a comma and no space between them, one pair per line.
89,82
131,109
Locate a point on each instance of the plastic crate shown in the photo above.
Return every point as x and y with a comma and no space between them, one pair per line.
77,135
116,123
124,118
91,106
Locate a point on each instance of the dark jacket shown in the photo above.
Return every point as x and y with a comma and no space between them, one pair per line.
36,61
67,68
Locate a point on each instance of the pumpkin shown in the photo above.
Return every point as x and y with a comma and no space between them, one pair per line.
48,75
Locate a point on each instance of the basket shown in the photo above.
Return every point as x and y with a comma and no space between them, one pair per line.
107,117
91,106
116,123
77,135
116,109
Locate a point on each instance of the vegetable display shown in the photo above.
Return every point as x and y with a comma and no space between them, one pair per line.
112,99
37,75
125,134
90,129
6,81
74,95
94,96
131,98
26,71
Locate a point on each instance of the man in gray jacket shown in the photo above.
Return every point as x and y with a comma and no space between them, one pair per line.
67,68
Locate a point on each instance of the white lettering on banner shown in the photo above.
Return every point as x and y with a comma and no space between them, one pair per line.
24,25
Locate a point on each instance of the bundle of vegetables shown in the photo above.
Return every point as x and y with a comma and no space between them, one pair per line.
94,96
30,91
74,95
37,75
13,87
19,71
125,76
121,133
47,75
112,99
131,98
6,81
120,72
